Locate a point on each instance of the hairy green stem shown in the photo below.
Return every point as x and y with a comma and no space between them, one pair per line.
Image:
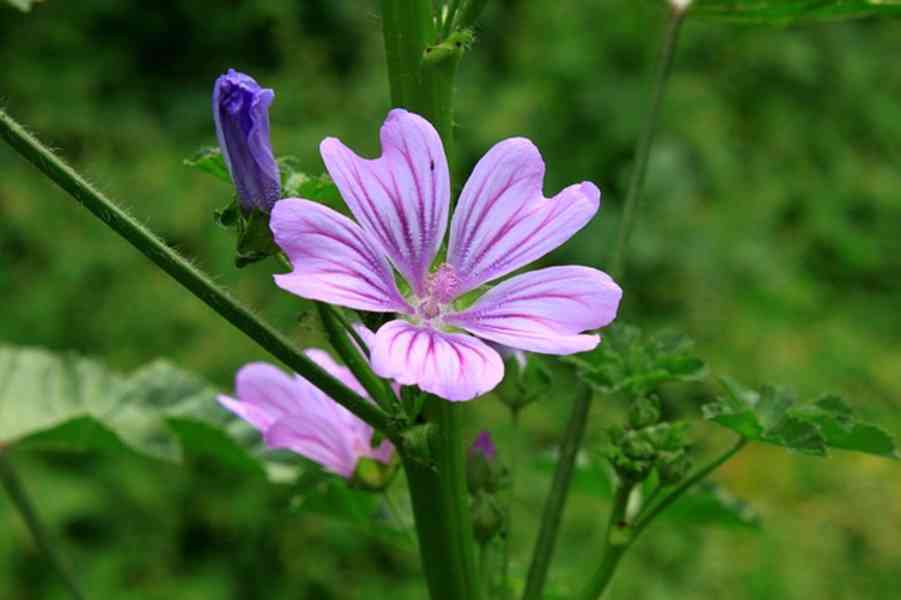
646,140
441,507
192,278
615,545
556,500
341,340
21,500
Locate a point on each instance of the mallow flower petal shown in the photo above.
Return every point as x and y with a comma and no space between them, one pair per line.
333,259
454,366
544,310
316,438
264,393
503,221
402,198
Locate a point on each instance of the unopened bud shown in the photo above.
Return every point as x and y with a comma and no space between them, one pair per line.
487,518
241,113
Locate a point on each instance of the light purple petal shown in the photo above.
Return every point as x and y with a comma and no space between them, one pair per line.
257,417
400,199
503,221
454,366
318,439
332,258
544,310
264,395
291,413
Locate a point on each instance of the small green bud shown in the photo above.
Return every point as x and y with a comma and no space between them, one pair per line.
644,412
487,517
674,471
638,447
373,475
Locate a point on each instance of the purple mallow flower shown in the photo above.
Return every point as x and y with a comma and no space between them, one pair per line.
241,112
291,413
502,222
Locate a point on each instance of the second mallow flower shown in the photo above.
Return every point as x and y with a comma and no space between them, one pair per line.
293,414
502,222
241,113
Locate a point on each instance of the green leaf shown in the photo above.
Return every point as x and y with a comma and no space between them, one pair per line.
318,188
710,503
787,11
774,416
629,362
255,240
836,423
23,5
210,160
66,402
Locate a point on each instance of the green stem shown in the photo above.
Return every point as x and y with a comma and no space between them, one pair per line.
643,149
508,524
616,542
409,28
197,282
612,554
20,499
556,500
469,13
448,24
421,74
441,507
686,485
339,337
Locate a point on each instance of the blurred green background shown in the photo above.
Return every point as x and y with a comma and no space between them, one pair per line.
770,232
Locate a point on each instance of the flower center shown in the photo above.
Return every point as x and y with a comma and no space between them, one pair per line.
440,289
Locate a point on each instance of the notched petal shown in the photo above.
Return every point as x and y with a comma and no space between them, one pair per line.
402,198
503,221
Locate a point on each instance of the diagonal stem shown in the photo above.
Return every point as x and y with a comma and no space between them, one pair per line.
192,278
22,501
614,548
556,500
686,485
643,149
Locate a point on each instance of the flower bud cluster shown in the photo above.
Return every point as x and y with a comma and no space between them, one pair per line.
647,444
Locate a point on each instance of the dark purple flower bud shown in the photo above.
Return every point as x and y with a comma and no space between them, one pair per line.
241,112
484,445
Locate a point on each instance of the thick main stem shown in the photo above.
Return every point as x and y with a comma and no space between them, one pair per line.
196,281
441,507
421,74
646,140
556,500
21,500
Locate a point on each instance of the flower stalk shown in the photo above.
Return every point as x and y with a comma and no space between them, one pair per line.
556,500
646,140
23,503
181,269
